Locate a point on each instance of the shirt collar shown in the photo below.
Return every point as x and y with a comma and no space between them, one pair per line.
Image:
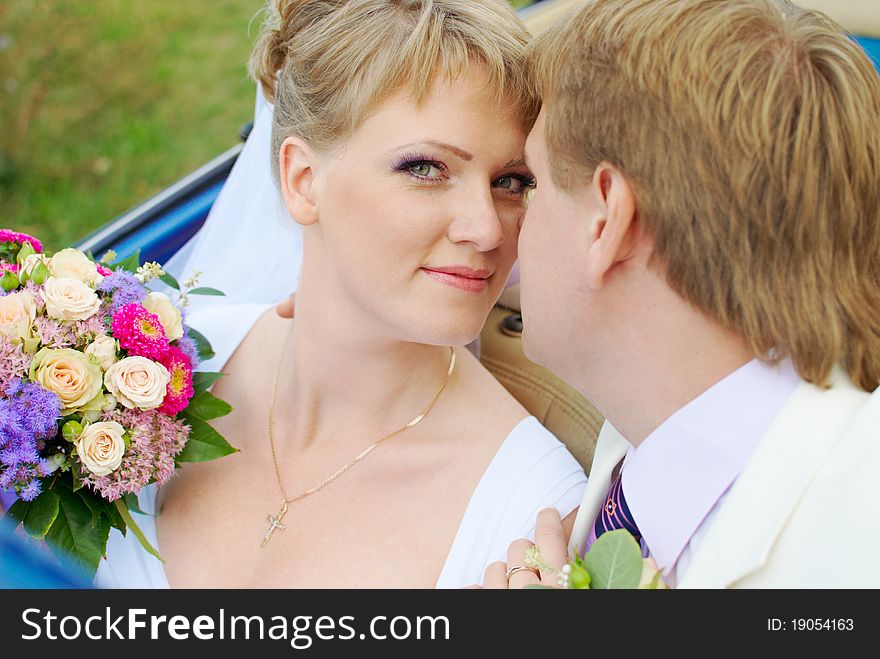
674,478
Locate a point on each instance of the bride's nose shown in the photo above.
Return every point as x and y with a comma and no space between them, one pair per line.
476,221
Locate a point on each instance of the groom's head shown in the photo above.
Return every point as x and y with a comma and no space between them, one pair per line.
704,155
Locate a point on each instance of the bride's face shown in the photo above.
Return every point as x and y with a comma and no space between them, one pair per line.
417,217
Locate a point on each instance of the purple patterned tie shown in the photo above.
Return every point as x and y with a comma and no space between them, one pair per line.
615,513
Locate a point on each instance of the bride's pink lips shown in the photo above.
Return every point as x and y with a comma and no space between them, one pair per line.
460,276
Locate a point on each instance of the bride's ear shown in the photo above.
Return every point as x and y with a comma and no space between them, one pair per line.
296,162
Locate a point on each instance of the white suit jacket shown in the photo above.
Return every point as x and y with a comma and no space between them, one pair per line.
804,512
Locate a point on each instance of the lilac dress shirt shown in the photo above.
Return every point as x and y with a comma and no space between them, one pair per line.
678,476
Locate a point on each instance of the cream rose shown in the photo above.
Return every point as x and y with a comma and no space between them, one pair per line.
69,299
70,374
100,447
73,263
169,315
103,349
17,313
137,382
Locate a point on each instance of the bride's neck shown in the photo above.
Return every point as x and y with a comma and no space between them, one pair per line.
341,376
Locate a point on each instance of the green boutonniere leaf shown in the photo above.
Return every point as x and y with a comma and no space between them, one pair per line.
614,561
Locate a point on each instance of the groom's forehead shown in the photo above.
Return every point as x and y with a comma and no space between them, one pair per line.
534,139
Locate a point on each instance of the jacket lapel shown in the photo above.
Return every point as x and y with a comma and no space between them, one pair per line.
610,448
765,494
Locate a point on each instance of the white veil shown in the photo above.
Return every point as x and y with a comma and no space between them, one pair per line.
249,248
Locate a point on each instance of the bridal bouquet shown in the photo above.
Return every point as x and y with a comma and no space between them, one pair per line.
99,393
614,561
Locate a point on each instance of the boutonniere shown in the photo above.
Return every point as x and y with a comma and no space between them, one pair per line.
614,561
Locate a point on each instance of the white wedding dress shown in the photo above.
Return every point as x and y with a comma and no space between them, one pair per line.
251,250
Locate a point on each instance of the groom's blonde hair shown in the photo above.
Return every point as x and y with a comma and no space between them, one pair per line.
750,132
328,63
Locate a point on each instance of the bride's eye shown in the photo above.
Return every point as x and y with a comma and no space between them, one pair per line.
517,184
421,168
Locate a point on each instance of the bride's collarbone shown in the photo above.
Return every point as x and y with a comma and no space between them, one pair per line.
325,540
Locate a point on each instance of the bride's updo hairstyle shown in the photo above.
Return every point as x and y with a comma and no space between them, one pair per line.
326,64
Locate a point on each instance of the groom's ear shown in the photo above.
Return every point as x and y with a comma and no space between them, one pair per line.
614,229
296,162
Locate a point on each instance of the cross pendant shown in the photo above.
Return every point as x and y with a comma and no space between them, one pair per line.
275,523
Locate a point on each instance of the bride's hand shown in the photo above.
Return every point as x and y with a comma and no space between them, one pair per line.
551,537
286,309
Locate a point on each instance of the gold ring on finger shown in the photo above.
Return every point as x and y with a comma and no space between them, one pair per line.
519,568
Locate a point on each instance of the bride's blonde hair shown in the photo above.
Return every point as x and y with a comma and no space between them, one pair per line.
327,64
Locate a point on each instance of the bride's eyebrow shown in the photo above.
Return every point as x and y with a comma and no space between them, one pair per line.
461,153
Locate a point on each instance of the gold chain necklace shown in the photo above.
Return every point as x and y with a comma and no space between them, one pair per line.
275,522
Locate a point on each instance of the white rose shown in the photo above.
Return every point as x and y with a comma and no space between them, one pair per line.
103,349
73,263
69,299
100,447
137,382
169,315
17,314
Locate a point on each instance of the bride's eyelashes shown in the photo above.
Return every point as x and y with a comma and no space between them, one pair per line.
425,170
420,168
517,185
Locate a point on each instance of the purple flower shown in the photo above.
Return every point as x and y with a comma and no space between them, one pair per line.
30,491
188,347
124,288
28,414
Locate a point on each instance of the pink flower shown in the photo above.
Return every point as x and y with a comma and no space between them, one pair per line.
12,267
7,236
155,440
139,332
180,389
14,363
104,272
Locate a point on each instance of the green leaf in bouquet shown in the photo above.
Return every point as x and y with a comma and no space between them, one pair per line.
8,251
131,501
116,520
205,290
41,514
76,479
204,346
76,533
170,281
130,263
204,442
207,406
134,528
17,511
204,380
96,505
614,561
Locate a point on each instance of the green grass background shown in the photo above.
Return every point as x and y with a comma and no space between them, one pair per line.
105,102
